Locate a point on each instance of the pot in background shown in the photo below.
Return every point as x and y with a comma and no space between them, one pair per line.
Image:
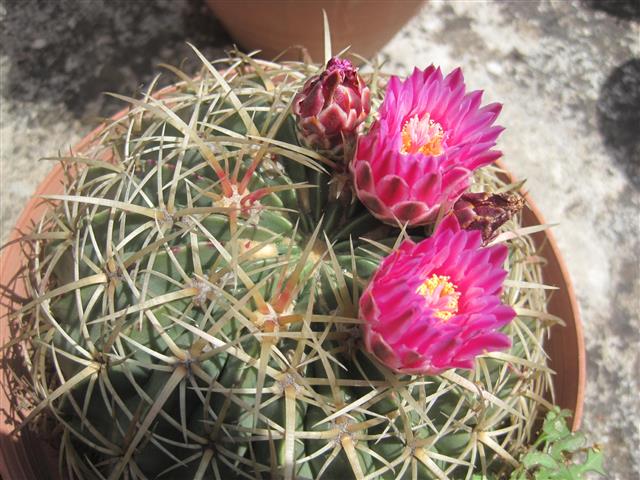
274,26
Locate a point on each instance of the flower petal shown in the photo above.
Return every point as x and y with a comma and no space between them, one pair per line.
363,178
413,213
392,189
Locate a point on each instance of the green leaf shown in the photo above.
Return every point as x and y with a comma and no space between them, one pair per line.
534,459
555,427
518,474
556,459
593,463
570,444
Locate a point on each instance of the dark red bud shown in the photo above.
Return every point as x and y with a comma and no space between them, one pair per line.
332,105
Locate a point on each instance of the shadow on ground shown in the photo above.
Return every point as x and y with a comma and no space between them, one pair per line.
625,9
71,51
618,111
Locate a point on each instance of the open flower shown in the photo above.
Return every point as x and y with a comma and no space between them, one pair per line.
436,305
418,157
332,105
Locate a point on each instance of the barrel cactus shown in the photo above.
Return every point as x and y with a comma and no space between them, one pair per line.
194,308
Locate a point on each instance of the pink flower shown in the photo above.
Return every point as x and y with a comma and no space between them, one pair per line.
418,157
332,104
436,305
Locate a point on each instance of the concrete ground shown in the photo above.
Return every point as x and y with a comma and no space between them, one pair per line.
568,74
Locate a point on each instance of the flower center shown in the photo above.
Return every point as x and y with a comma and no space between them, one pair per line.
422,135
441,295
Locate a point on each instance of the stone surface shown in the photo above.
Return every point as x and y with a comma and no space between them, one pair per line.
57,58
568,74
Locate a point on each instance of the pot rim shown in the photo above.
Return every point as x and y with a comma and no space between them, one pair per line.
574,323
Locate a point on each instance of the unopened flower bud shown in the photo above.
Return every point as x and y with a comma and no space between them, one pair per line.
332,105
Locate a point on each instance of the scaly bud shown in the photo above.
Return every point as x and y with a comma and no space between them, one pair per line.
332,105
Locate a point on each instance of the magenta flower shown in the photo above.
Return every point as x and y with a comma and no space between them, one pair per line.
436,305
332,105
419,155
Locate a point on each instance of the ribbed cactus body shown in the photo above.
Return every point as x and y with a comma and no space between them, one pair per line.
180,329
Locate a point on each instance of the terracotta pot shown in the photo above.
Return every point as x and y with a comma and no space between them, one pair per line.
274,26
565,345
25,457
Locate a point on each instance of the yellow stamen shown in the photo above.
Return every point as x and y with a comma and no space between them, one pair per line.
422,135
436,287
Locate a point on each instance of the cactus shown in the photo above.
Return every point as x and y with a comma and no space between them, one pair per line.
194,297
